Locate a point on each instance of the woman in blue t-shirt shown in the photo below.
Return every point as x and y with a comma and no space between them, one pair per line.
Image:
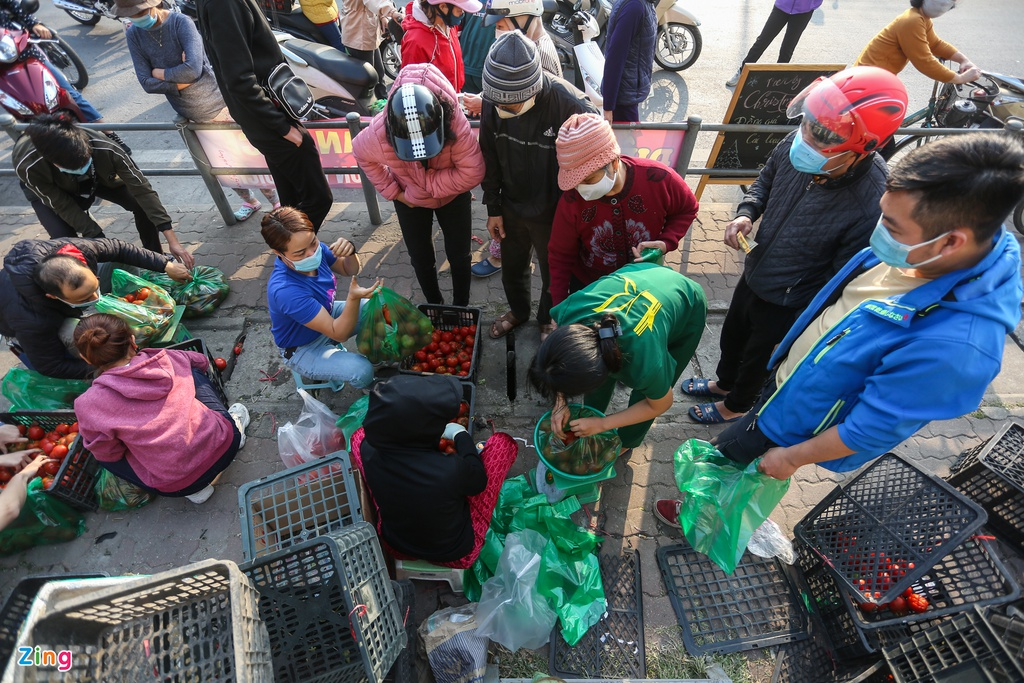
307,323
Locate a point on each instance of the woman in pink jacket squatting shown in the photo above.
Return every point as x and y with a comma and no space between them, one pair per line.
421,154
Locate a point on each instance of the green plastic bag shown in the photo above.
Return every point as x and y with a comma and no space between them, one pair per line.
577,455
391,328
352,420
201,295
148,319
123,283
28,390
574,589
723,502
43,520
116,494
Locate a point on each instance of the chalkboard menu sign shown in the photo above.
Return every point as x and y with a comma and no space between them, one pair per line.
760,98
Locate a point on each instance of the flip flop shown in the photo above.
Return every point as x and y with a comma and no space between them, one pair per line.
698,387
709,415
503,325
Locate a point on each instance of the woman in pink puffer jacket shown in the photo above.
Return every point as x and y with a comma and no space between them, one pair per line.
421,153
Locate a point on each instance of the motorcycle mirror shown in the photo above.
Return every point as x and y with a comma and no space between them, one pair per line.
30,6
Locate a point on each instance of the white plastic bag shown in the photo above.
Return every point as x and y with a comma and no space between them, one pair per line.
512,611
767,541
314,435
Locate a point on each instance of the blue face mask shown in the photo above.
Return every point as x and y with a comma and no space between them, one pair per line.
310,263
893,253
450,19
77,171
145,23
805,158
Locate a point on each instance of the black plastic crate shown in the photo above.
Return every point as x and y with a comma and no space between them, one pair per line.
757,606
18,603
297,504
47,419
961,648
1010,630
199,346
445,319
805,661
613,648
404,668
892,513
330,609
992,475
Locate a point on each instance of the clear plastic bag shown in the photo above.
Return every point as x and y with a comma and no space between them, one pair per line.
312,436
768,541
148,317
43,520
391,328
116,494
203,293
577,455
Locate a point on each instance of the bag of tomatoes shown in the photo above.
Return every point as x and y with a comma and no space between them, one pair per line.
578,456
43,520
201,295
134,289
147,308
391,328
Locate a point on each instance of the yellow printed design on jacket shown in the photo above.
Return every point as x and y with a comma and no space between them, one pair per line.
633,294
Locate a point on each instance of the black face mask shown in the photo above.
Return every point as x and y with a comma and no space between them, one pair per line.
450,20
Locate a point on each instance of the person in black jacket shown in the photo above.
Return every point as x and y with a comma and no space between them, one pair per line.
817,197
46,284
431,505
522,112
243,52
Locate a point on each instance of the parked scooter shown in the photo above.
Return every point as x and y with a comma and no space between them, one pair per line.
679,41
577,31
27,88
339,83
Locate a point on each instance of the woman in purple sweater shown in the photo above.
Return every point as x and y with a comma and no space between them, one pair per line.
791,15
151,416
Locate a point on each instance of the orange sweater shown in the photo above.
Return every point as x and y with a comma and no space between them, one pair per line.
910,37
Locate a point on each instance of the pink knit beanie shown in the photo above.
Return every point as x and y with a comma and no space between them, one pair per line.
585,143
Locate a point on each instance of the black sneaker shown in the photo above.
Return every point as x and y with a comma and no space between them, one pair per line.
117,138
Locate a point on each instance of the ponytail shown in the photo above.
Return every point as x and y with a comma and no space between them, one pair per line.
576,359
608,332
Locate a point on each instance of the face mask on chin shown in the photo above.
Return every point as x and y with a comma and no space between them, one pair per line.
527,106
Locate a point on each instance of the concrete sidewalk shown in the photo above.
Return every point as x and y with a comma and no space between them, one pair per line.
170,532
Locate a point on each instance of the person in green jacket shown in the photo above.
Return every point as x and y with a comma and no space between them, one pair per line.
640,326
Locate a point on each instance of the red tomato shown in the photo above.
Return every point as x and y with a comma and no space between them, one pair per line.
46,445
432,347
73,429
5,475
238,349
220,363
434,363
130,298
460,338
22,429
469,342
142,294
62,429
451,361
898,606
445,348
447,336
472,330
420,355
435,336
51,468
868,607
463,409
907,593
47,482
917,603
466,365
53,437
35,432
59,452
463,373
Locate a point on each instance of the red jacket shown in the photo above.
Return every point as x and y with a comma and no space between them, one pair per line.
592,239
424,42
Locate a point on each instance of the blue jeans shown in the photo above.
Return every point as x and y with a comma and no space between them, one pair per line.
325,359
90,112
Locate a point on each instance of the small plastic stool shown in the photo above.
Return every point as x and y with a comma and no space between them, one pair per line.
424,571
310,384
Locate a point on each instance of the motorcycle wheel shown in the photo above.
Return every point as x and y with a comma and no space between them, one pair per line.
905,147
64,57
1018,218
83,17
677,46
391,54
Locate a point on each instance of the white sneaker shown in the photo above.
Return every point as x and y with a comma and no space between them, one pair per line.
240,414
201,497
732,82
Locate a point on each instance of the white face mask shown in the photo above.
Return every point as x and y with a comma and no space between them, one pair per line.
527,106
936,8
594,191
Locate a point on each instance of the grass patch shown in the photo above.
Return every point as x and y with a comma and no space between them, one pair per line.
522,663
669,659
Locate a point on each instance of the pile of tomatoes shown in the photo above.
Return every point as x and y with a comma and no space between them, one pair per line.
54,445
909,601
447,446
138,295
448,353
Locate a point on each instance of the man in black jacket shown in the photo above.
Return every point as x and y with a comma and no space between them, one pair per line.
817,198
45,285
243,52
522,111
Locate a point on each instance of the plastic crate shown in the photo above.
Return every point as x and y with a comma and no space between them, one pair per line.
193,623
962,648
1010,630
444,319
892,512
297,504
404,668
199,346
330,609
992,475
73,484
754,607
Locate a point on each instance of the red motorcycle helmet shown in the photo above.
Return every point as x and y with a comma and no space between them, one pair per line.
856,109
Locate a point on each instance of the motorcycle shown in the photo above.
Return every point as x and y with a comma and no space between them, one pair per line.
27,88
679,41
339,83
577,31
89,12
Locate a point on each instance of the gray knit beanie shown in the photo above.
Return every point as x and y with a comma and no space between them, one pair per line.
512,71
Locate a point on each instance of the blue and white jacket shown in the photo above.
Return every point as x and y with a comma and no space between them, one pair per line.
889,367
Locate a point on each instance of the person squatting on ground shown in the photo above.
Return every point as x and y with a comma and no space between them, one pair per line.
430,505
911,330
421,154
243,52
66,168
628,58
522,113
639,326
817,198
612,207
792,15
47,285
307,324
151,416
169,59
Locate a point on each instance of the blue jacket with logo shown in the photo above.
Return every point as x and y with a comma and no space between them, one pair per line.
891,366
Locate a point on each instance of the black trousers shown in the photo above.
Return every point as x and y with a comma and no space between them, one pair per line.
752,329
376,60
298,175
777,20
56,226
523,237
743,441
456,221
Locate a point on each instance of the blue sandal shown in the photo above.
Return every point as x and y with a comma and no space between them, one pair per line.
709,415
698,387
485,269
247,210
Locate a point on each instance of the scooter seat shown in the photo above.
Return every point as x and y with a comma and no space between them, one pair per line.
333,63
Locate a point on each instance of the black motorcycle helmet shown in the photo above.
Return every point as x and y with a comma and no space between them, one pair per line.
415,123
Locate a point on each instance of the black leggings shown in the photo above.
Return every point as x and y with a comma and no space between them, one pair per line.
777,20
456,221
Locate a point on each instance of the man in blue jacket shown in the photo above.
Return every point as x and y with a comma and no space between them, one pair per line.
910,331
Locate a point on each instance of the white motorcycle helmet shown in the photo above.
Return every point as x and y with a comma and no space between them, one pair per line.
495,10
